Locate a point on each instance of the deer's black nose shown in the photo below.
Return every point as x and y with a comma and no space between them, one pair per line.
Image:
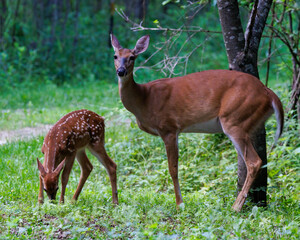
121,71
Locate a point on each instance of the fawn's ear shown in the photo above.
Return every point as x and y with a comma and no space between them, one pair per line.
141,45
114,42
60,167
41,167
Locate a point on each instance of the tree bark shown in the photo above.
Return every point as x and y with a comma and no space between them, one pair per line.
242,54
232,31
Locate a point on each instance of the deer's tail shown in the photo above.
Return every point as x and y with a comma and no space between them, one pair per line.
279,114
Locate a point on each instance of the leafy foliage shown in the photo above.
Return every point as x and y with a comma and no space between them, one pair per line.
65,44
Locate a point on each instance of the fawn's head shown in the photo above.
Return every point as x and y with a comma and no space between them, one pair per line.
50,179
124,58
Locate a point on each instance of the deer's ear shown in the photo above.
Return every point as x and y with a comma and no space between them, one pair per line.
60,167
141,45
41,167
114,42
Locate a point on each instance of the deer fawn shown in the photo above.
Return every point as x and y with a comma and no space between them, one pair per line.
68,139
213,101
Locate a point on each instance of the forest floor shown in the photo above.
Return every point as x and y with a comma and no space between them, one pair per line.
147,208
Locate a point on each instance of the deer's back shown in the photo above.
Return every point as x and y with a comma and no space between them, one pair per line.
75,130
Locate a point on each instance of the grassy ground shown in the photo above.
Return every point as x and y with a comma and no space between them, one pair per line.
147,202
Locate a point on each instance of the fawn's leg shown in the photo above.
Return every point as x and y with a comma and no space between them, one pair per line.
98,150
86,168
69,161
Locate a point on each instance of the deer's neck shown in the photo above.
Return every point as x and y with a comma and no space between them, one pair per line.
51,155
131,94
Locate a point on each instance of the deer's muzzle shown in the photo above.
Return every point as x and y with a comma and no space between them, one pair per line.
121,72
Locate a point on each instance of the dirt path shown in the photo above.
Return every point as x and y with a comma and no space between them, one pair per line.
23,133
30,132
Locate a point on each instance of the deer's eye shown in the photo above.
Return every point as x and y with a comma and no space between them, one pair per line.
115,57
131,58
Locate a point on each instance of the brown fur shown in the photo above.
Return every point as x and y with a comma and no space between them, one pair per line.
68,139
211,101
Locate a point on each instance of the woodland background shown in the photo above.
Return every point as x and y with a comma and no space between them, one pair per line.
55,57
68,40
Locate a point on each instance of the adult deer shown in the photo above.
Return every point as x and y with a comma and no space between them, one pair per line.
68,139
214,101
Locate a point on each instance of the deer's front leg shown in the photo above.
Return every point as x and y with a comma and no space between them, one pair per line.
171,143
65,176
41,192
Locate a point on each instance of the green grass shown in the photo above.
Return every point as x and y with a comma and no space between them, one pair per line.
29,106
147,203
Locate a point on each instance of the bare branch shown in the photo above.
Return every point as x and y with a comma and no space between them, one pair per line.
270,45
168,63
138,27
295,93
170,59
249,29
284,39
283,12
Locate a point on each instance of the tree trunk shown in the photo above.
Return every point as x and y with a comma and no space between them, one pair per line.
140,9
54,7
111,21
295,96
242,56
98,6
3,12
75,39
67,9
136,8
13,35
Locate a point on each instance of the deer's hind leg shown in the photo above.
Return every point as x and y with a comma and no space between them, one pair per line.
244,147
98,150
69,161
86,168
